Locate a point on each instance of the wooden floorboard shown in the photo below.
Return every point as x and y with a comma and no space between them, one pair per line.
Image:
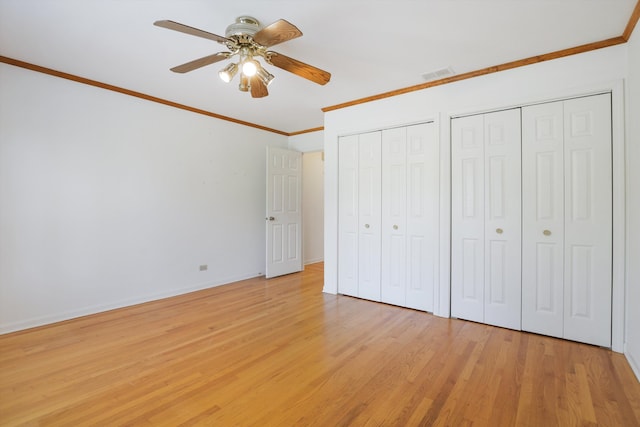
279,352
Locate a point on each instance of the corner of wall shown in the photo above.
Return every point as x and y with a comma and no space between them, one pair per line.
632,269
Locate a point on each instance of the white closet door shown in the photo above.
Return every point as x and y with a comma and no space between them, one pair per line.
567,219
543,219
486,218
410,160
588,219
348,226
467,218
502,220
394,216
422,224
369,213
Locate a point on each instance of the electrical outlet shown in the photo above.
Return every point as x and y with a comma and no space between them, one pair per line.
203,267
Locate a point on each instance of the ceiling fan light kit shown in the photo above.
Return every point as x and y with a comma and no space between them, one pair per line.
247,40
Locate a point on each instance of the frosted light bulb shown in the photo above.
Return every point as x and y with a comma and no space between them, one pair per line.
249,68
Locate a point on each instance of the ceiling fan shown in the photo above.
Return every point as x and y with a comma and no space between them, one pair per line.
247,40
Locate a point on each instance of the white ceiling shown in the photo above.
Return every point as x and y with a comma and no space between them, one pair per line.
369,46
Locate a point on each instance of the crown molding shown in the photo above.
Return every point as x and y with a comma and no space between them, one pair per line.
484,71
633,20
626,35
300,132
95,83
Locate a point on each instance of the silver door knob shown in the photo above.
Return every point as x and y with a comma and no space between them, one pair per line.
270,218
395,227
499,230
366,226
547,232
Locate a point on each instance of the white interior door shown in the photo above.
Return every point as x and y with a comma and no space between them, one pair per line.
348,220
423,171
388,215
543,219
588,219
486,218
369,215
567,219
467,218
284,212
394,216
502,222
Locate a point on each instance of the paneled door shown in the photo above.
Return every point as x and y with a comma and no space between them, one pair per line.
369,214
543,219
410,170
502,220
393,272
567,217
588,220
359,212
348,220
467,218
284,212
486,218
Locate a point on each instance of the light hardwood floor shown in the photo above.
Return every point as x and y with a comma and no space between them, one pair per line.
280,352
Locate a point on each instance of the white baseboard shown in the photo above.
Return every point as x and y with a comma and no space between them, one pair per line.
94,309
313,261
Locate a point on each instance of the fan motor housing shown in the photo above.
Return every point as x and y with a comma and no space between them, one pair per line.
244,25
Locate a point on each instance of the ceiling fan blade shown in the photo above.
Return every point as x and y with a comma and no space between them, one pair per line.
258,88
201,62
278,32
301,69
190,30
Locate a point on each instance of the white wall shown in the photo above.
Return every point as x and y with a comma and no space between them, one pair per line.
313,206
632,329
579,74
108,200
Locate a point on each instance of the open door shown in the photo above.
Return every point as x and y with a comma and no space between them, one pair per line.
284,212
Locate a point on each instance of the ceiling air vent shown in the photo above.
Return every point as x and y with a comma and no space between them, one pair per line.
438,74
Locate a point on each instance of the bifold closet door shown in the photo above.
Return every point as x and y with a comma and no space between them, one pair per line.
359,213
410,167
543,219
567,217
369,208
486,218
394,216
467,218
348,156
503,219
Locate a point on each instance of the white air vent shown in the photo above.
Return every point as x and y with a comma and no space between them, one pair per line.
438,74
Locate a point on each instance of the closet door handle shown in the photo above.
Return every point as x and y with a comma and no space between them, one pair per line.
366,226
499,230
547,232
395,227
